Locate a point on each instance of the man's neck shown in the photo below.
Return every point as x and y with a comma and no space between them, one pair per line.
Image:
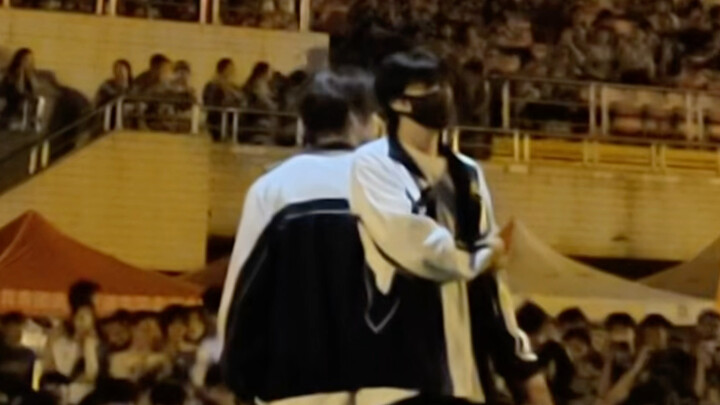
418,137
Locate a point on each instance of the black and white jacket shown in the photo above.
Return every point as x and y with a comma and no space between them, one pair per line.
313,306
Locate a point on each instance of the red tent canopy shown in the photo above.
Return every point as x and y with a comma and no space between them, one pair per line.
38,264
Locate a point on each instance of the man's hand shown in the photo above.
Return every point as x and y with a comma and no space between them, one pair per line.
537,391
499,253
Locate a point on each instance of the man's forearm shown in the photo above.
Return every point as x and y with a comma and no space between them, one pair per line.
537,391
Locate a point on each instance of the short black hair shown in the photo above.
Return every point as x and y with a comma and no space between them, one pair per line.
402,69
708,314
211,300
167,393
173,313
619,319
223,64
13,318
655,321
578,334
323,108
81,294
158,60
531,318
572,315
357,86
398,71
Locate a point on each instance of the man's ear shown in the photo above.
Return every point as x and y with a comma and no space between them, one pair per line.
401,106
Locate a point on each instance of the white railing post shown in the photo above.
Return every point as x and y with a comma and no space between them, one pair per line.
605,110
516,145
592,100
689,127
299,132
506,104
305,15
25,113
235,126
119,113
112,8
223,125
45,154
99,6
526,147
32,164
195,119
455,140
203,14
107,117
216,12
662,158
700,114
6,4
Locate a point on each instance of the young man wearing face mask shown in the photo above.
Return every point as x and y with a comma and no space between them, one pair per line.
427,227
284,317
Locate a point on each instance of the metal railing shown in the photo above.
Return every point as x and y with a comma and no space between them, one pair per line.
200,11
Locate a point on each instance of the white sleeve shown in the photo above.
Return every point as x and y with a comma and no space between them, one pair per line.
253,221
483,258
412,242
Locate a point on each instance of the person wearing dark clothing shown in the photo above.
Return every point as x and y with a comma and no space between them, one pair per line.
16,361
119,85
18,88
222,91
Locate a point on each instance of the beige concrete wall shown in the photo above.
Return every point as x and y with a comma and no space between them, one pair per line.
142,198
81,48
578,211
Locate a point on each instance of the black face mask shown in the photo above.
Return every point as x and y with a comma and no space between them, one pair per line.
434,111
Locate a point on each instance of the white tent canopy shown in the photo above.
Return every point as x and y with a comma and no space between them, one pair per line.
699,277
538,273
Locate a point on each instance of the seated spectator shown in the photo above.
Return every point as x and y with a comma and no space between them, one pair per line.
599,57
260,97
174,321
143,361
516,33
115,332
636,60
75,350
117,86
159,65
707,354
210,349
587,365
552,357
222,91
619,353
664,20
572,318
18,88
16,361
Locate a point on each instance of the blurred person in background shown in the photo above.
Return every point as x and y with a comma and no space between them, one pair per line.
75,350
210,348
619,352
261,97
18,86
587,364
222,91
572,318
17,362
707,354
144,360
174,321
118,85
115,332
552,357
159,64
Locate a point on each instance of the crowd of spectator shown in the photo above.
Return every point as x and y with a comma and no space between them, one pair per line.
631,41
171,357
166,358
624,362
